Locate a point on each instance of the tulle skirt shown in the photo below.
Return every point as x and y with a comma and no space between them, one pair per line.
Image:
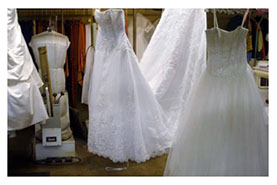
125,120
223,131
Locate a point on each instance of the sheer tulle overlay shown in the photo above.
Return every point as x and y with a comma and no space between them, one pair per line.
224,132
224,129
125,120
175,58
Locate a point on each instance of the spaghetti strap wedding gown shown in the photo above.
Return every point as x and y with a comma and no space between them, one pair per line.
125,120
224,130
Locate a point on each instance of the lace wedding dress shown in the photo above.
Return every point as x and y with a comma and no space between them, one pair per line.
175,58
125,119
224,129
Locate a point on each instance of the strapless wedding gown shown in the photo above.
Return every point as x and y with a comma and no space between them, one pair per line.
25,104
125,120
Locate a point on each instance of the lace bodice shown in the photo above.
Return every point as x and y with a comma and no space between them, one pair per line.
226,51
111,30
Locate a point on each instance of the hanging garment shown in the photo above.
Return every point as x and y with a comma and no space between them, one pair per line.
175,58
224,129
73,63
125,120
261,47
56,45
81,51
88,35
249,45
87,76
42,26
259,32
144,32
89,66
249,37
25,104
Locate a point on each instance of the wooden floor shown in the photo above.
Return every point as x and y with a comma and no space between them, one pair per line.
90,165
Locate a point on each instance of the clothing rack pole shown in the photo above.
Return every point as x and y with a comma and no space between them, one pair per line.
37,14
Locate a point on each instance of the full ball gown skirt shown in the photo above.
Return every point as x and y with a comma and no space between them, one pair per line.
224,130
125,120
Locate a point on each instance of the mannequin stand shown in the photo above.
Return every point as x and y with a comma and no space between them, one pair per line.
110,169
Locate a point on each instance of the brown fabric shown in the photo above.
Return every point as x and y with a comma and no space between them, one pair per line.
66,72
41,27
73,61
81,51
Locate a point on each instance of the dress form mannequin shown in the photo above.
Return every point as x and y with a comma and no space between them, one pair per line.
57,45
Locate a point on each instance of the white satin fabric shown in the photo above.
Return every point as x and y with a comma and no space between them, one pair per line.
88,75
175,58
25,104
223,131
89,66
125,120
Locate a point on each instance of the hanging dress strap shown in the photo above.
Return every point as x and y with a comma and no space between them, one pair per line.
215,19
244,17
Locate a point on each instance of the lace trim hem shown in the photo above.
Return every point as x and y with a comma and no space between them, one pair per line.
153,155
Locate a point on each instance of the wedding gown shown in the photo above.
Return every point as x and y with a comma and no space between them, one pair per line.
125,120
224,129
175,58
25,104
